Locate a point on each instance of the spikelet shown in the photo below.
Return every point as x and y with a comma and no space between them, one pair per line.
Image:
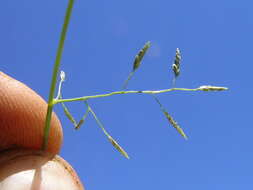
212,88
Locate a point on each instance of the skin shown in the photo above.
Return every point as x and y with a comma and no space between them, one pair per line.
35,170
23,166
22,118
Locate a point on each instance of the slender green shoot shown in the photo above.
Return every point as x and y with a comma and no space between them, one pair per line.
127,80
112,141
55,72
84,98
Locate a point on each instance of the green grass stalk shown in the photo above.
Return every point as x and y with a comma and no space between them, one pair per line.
84,98
55,73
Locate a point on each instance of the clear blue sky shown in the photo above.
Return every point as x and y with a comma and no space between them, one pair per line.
215,38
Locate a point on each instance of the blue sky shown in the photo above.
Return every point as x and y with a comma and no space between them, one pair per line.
215,38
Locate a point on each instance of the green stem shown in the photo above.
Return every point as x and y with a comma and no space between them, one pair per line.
97,120
84,98
123,92
127,80
55,72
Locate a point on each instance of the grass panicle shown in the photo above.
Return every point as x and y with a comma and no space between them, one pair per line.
137,62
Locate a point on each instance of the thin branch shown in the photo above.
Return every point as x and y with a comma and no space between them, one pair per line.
84,98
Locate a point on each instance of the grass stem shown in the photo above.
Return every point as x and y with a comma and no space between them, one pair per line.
84,98
55,73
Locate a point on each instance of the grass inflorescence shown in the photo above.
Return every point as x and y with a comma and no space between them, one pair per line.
136,65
